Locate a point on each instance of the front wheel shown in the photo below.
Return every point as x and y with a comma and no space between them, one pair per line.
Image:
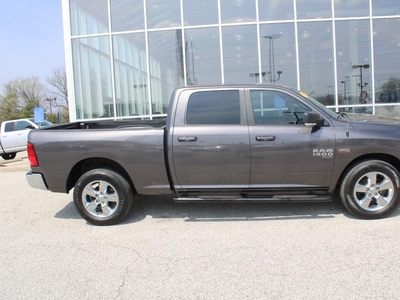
103,197
7,156
370,190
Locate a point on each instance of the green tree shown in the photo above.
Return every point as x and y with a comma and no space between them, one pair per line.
20,98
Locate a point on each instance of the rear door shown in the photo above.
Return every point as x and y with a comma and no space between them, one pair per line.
286,155
210,141
9,137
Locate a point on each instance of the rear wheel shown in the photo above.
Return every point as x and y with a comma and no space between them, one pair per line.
103,197
370,190
7,156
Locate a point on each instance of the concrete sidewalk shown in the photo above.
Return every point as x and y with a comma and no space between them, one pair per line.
18,164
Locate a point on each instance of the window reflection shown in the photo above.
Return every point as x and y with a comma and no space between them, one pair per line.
240,53
127,15
163,14
234,11
92,75
392,111
316,61
385,7
88,16
192,9
353,62
387,60
357,109
203,61
166,66
278,53
271,10
346,8
130,74
313,9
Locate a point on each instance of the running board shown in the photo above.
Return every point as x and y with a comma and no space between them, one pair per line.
278,198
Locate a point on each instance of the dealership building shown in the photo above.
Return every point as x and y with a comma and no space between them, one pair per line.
125,57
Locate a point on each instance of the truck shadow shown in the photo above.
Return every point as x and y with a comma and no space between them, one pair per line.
165,208
162,207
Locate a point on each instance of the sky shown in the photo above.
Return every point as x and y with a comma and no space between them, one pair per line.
31,39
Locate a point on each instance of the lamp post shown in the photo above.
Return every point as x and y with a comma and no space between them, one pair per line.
257,75
271,55
361,84
345,90
51,99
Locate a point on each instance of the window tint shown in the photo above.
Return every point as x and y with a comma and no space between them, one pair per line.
21,125
9,127
214,107
273,107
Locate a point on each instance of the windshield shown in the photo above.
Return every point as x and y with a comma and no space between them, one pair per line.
318,104
41,124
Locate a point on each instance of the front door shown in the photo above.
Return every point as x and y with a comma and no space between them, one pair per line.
286,155
210,146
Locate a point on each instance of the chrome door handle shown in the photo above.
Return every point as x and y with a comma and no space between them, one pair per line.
187,138
265,138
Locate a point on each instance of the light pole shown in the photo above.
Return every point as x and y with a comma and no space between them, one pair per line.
51,99
361,84
271,54
257,75
345,91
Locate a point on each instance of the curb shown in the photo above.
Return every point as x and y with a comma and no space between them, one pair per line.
18,164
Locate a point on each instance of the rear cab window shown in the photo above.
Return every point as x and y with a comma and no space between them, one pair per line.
214,108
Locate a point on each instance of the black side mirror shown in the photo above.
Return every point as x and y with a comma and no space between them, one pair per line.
312,118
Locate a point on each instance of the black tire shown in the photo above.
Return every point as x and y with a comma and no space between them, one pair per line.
370,189
103,197
8,156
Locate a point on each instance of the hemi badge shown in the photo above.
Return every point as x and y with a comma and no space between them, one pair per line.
344,150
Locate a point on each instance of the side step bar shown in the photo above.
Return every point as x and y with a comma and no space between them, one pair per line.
278,198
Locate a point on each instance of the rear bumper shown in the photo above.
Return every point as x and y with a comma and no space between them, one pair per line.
36,181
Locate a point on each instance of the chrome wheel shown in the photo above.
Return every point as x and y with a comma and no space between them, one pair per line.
100,199
103,196
370,189
374,191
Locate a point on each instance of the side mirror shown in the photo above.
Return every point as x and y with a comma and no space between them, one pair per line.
29,127
312,118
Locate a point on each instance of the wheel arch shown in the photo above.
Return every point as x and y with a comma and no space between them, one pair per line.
94,163
394,161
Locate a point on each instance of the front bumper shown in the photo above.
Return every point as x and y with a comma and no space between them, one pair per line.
36,181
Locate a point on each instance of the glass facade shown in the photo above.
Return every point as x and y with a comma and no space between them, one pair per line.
127,56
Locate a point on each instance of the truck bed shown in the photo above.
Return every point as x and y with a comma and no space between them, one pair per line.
110,124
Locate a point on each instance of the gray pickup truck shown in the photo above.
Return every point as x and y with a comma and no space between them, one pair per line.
223,143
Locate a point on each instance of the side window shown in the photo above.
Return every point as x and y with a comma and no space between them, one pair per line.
214,107
9,127
21,125
274,107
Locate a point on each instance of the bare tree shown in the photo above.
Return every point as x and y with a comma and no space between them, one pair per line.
58,83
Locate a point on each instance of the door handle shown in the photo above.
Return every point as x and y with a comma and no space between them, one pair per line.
187,138
265,138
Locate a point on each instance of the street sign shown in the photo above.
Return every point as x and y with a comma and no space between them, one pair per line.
38,115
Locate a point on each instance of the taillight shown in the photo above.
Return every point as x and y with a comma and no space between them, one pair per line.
32,155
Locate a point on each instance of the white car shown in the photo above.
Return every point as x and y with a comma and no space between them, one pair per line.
14,136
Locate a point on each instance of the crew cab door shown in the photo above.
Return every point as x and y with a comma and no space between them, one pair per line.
9,136
286,155
15,135
210,141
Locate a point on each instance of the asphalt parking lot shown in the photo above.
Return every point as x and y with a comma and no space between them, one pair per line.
164,250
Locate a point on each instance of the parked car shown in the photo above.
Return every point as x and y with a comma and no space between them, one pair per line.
224,143
14,136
